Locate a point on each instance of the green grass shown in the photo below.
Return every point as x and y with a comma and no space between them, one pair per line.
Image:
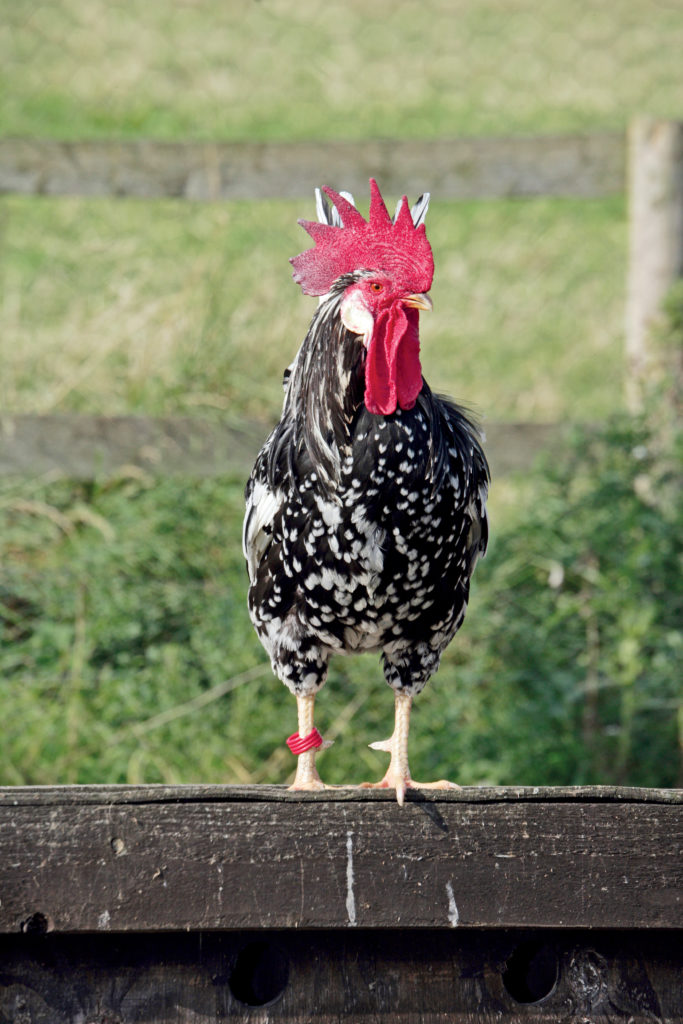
160,307
342,69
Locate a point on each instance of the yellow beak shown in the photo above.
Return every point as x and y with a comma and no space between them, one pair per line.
419,301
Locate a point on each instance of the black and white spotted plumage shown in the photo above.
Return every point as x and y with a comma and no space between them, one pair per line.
362,531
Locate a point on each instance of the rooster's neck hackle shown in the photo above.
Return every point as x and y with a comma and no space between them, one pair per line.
324,389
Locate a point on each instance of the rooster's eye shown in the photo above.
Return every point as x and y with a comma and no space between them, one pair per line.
376,286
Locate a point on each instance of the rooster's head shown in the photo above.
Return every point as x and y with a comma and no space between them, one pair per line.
391,266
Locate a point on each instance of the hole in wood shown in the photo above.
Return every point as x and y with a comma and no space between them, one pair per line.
37,924
260,974
531,972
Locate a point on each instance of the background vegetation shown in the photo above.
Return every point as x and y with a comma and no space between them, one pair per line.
125,649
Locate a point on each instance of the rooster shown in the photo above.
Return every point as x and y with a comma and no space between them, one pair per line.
366,507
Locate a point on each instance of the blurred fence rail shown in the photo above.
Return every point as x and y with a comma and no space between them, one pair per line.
572,165
646,163
83,447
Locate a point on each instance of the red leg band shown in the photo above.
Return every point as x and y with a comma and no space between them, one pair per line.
311,742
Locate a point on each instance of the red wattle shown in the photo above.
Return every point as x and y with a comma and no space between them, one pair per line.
393,374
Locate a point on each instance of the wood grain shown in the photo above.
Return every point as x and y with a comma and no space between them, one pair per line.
167,859
192,904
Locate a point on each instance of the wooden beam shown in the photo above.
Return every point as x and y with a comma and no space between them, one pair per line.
572,165
159,859
328,977
84,447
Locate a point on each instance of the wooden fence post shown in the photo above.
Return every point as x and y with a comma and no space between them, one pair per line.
655,193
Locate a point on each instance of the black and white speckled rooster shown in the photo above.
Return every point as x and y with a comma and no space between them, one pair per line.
366,506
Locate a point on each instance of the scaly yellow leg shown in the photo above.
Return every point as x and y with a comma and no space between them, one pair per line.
398,773
307,776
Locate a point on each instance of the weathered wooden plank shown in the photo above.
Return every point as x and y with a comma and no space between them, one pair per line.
84,447
74,795
572,165
173,863
362,977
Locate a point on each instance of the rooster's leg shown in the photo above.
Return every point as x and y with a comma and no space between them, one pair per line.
306,772
398,773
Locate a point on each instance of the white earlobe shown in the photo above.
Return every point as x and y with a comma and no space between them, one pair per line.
355,315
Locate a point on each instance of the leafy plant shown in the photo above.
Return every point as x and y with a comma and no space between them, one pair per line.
126,653
576,665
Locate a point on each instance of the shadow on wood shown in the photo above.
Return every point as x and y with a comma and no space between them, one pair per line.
327,977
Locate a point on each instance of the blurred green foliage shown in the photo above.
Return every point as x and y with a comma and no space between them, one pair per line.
579,620
276,69
576,667
126,653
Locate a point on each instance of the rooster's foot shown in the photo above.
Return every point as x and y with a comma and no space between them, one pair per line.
310,785
398,775
307,777
402,783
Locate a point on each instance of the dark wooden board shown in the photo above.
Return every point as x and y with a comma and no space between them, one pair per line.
152,859
358,977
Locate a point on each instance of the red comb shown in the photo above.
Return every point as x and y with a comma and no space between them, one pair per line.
377,243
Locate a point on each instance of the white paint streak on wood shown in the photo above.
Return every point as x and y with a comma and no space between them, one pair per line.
350,897
453,912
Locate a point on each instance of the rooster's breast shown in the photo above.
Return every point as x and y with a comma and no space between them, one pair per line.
380,559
